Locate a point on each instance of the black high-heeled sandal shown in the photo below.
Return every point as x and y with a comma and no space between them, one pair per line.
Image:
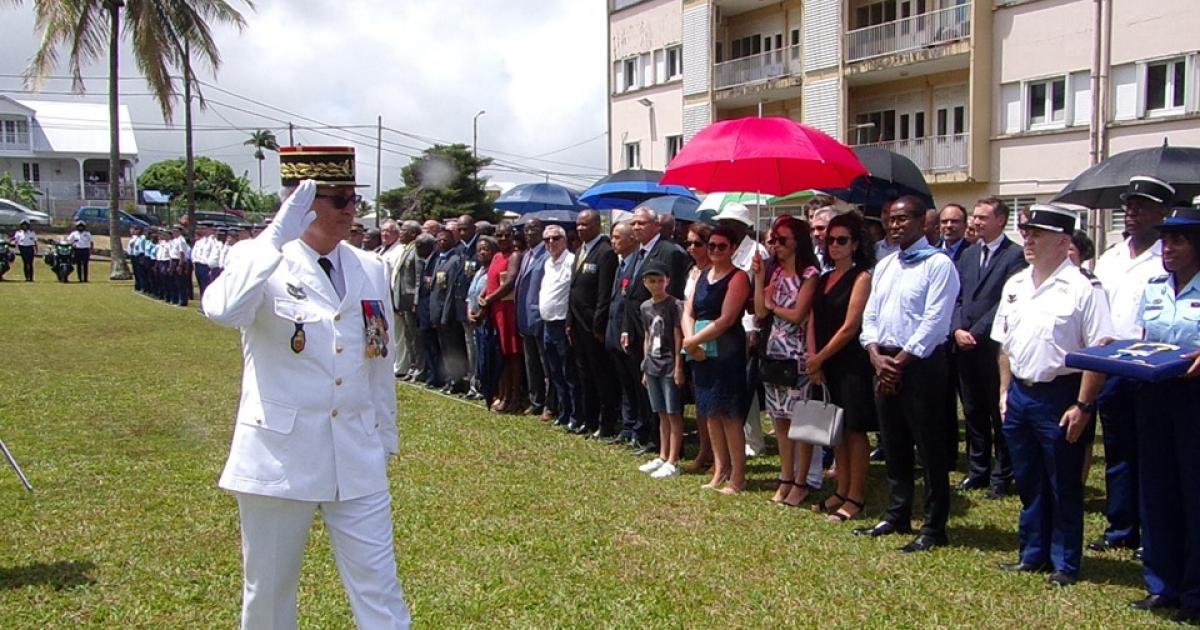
824,508
842,517
779,483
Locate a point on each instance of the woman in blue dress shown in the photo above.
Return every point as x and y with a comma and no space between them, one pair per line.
1169,431
715,340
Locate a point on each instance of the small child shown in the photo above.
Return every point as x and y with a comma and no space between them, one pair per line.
662,369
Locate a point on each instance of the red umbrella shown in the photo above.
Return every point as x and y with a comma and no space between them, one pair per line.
777,156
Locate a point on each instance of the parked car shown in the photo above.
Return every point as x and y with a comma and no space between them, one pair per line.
218,217
148,217
96,219
13,213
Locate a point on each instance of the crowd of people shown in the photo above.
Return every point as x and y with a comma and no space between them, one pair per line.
897,319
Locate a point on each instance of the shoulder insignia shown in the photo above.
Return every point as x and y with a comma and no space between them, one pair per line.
1160,279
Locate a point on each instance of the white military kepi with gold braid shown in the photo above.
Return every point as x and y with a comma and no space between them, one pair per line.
328,166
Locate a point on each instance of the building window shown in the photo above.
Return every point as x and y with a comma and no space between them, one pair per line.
674,62
1165,83
633,155
674,145
14,131
746,46
1015,205
31,172
875,13
1047,103
874,127
630,68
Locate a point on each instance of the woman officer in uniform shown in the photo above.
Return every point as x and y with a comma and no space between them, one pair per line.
1168,433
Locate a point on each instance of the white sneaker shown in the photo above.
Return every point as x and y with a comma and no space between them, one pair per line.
666,470
652,465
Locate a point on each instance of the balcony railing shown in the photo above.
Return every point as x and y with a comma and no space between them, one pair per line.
761,67
911,33
100,191
14,141
59,190
932,154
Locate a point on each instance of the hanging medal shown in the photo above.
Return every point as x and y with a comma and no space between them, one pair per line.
375,328
298,339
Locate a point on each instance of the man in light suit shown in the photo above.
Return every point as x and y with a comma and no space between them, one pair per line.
317,421
983,269
404,279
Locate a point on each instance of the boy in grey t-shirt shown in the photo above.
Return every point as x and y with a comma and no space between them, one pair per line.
662,368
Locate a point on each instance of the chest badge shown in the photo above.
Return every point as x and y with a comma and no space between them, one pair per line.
375,328
297,292
1012,298
298,339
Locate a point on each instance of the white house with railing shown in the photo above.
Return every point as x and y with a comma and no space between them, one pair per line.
62,148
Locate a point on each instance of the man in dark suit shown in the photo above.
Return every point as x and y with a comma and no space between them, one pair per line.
652,247
529,322
954,227
427,341
983,269
447,309
587,319
635,402
952,221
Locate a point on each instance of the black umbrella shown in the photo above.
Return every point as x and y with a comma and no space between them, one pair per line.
889,176
1101,185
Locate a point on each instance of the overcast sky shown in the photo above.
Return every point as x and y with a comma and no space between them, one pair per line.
537,66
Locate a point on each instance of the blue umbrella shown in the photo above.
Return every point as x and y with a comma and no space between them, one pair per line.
536,197
682,208
625,190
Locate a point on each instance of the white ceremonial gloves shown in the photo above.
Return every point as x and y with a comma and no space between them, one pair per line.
293,217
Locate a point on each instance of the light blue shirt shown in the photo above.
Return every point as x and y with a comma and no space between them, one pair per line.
911,304
478,284
1167,318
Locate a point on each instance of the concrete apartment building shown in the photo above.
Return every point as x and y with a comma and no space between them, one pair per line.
988,97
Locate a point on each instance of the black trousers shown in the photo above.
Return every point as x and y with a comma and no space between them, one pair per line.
916,417
633,394
598,400
82,256
645,426
453,347
988,460
951,404
27,257
541,391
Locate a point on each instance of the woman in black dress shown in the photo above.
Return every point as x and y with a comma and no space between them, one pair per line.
716,342
836,358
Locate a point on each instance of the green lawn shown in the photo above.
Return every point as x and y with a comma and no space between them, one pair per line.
120,410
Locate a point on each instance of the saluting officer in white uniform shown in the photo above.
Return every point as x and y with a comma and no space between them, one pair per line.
317,419
1046,311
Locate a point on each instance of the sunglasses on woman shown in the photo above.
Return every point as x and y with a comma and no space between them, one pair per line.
717,247
340,201
837,240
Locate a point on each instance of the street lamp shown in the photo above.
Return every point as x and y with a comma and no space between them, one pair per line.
475,133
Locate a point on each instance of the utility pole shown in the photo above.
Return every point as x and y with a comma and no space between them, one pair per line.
189,160
378,165
291,137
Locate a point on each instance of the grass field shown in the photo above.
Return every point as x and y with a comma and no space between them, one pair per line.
120,410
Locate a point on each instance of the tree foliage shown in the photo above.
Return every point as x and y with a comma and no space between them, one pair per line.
24,193
443,182
217,188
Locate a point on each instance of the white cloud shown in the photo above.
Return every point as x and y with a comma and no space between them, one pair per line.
537,67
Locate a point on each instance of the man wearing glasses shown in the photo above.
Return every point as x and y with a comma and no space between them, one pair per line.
553,298
317,421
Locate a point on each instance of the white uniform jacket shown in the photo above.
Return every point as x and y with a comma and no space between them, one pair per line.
318,424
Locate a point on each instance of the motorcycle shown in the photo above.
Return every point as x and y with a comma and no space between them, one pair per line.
61,258
6,259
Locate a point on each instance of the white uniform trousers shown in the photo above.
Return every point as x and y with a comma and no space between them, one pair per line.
756,443
274,533
405,334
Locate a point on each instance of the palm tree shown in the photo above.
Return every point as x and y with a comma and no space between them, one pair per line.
261,139
160,31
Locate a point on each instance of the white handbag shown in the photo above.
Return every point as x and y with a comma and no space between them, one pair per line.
816,422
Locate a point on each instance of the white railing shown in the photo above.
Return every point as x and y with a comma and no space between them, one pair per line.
14,141
761,67
911,33
100,191
932,154
59,190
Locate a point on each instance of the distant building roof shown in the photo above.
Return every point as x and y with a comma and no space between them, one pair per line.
75,127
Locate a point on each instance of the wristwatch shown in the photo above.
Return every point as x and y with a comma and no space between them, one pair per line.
1085,407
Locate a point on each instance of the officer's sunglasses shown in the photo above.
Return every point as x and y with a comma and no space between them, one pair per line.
340,201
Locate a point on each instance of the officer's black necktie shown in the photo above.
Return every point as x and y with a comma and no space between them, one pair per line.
327,266
986,251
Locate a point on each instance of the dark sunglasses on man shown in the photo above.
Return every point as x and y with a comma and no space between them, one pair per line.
340,201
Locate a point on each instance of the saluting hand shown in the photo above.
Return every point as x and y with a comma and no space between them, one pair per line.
293,217
1193,371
